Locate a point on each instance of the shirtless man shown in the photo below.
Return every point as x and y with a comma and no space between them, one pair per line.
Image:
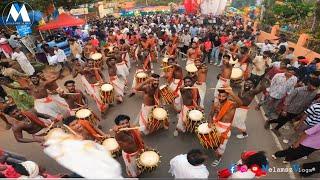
151,98
53,88
125,48
153,42
144,51
222,113
28,121
171,50
112,39
246,95
87,130
190,100
75,98
174,77
224,77
244,58
92,79
43,103
122,68
201,80
88,50
194,53
175,39
116,82
131,144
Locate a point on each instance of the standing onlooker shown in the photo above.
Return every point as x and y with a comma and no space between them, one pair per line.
76,49
4,46
189,166
186,40
281,85
295,103
307,144
215,51
207,50
23,61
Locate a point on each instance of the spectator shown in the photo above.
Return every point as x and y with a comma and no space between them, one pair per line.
307,144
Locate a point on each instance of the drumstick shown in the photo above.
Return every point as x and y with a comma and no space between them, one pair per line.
127,129
71,130
71,93
166,67
189,87
221,88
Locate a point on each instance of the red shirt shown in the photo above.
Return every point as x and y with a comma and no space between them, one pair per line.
95,42
224,39
207,46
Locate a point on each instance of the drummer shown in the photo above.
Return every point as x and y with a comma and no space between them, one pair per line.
190,100
122,68
260,65
74,97
174,78
193,53
222,112
151,98
87,130
29,121
92,79
131,144
115,81
224,77
246,95
201,80
171,50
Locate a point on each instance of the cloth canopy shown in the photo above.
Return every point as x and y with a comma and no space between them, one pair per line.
63,20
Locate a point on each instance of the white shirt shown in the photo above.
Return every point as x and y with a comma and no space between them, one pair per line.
60,55
280,86
266,47
23,62
186,39
181,168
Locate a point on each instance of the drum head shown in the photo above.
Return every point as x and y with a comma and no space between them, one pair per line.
165,59
110,144
191,68
195,115
160,114
96,56
162,87
204,129
236,73
149,158
141,75
83,113
106,87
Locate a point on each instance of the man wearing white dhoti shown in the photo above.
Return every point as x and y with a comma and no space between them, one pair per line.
23,61
224,77
189,166
246,95
43,102
151,98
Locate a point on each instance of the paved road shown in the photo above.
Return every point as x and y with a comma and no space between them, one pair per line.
164,141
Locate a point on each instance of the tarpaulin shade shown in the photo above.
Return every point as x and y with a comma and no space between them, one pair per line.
191,6
63,20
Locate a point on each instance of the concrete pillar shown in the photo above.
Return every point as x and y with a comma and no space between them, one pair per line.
274,30
302,39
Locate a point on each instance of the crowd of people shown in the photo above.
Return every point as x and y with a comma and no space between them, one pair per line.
105,52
